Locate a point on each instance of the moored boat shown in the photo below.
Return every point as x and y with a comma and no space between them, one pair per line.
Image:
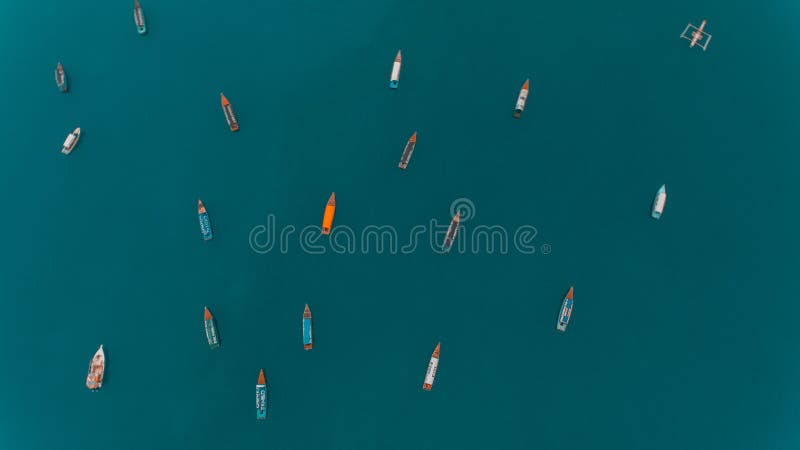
261,396
205,222
408,151
433,365
211,329
394,79
521,99
97,368
61,78
308,336
330,211
452,230
71,141
228,110
138,17
566,311
659,202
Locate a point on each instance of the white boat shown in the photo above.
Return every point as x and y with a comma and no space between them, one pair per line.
70,142
659,202
433,365
394,79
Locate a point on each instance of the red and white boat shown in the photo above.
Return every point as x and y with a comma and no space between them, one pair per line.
97,367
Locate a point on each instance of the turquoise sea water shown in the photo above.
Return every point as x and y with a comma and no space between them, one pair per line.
683,334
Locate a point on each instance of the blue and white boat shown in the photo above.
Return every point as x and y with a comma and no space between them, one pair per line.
566,312
205,223
659,202
394,79
308,337
261,396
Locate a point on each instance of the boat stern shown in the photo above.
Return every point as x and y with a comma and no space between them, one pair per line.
517,113
142,29
393,84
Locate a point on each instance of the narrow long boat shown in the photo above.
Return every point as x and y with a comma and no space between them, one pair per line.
433,366
211,329
566,311
261,396
330,211
308,332
205,222
233,124
408,151
452,230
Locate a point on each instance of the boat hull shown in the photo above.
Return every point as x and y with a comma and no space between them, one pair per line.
205,226
261,401
659,202
211,334
97,368
522,98
564,315
61,78
407,152
138,18
308,337
433,366
394,79
71,142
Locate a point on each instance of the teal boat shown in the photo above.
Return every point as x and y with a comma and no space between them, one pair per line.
205,223
138,17
261,396
211,330
308,338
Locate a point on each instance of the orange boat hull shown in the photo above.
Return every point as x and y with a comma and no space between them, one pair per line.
327,218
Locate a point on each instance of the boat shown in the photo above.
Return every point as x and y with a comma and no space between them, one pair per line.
61,78
521,99
138,17
659,202
697,36
308,333
433,365
71,141
205,223
97,368
566,312
261,396
330,211
452,230
228,110
395,77
408,151
211,329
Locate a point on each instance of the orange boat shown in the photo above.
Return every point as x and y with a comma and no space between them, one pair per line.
228,110
330,210
97,367
433,365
